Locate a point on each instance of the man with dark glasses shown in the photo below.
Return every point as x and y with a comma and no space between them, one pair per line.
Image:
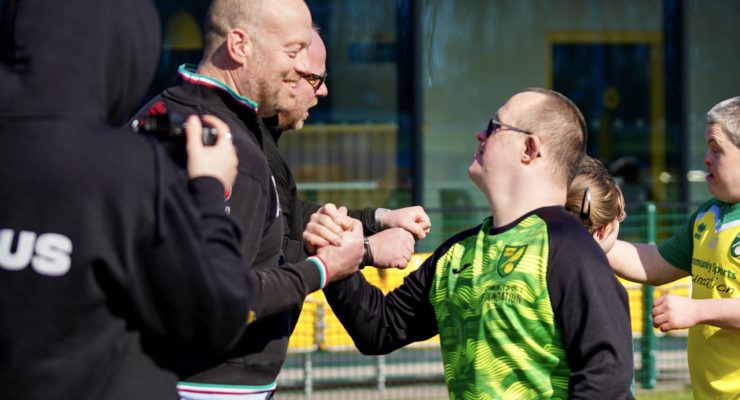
389,233
525,304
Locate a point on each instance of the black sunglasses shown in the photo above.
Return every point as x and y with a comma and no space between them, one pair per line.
494,126
315,80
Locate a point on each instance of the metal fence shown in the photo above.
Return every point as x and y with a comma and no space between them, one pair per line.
323,359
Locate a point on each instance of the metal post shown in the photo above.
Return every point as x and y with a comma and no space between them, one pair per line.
320,325
381,372
648,343
307,374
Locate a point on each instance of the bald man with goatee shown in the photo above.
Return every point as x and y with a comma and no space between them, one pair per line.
255,55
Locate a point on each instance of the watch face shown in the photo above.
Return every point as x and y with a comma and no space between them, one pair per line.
379,218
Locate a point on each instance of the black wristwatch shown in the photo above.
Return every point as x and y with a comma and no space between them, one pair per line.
367,259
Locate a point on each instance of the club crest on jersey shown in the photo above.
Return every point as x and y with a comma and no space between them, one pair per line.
699,230
735,246
510,258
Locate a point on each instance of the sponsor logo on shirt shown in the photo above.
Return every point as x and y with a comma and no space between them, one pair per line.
713,268
510,259
509,294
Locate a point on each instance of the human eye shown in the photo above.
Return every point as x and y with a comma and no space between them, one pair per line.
312,79
292,51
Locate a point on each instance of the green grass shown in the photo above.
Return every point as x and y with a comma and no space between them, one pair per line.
663,395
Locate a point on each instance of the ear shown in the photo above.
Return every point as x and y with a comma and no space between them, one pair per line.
603,231
239,45
532,149
598,234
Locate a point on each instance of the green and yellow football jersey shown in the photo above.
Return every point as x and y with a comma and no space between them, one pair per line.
708,246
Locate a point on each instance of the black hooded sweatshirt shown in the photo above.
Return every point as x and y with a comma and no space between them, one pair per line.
111,262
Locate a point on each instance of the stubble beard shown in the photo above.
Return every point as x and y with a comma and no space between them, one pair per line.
274,97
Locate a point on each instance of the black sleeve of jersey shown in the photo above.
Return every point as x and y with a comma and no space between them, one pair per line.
280,289
592,310
380,324
189,285
367,217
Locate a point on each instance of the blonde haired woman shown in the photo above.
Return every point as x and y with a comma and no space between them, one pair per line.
596,200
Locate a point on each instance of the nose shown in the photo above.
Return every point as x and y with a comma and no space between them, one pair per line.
481,136
302,64
707,159
323,90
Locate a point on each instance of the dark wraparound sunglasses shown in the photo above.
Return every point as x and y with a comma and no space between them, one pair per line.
494,126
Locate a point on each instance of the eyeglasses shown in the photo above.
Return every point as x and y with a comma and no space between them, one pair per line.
315,80
494,126
585,212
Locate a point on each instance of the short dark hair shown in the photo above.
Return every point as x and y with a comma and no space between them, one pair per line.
224,15
560,124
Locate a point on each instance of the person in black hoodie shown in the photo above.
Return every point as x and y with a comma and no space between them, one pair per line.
254,56
111,261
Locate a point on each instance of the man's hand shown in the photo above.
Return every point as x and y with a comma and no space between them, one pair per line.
218,161
392,248
413,219
326,227
674,312
344,260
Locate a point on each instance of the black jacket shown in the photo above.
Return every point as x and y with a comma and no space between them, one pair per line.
108,267
278,288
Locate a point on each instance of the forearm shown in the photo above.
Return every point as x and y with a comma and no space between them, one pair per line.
294,250
378,323
642,263
722,313
282,288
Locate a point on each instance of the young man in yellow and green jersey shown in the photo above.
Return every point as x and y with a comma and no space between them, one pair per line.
707,247
525,304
